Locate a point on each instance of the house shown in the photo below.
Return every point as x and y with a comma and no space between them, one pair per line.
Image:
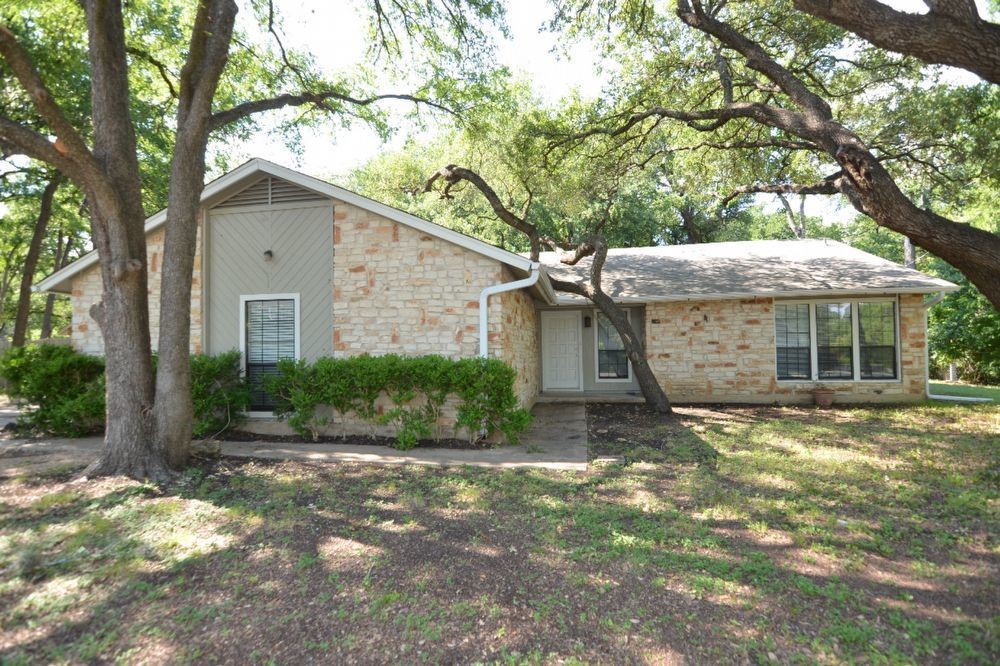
292,266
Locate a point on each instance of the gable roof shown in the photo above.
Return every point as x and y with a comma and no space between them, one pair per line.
249,172
776,268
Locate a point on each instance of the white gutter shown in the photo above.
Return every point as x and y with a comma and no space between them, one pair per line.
484,297
927,305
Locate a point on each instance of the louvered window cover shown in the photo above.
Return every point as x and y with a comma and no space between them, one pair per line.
270,191
270,337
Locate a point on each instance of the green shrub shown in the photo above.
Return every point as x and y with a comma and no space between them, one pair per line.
65,390
417,386
218,391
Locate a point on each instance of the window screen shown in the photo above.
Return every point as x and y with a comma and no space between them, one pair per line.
877,340
270,337
834,341
612,363
791,328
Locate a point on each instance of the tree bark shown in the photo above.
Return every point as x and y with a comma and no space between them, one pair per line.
31,261
117,227
797,226
951,33
909,253
209,52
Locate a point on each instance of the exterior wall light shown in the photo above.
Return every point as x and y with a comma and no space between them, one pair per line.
268,255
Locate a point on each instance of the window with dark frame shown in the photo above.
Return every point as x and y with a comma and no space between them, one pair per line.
834,341
877,340
270,337
612,362
791,324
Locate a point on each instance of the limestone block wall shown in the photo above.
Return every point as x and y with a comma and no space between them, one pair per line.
519,343
723,351
87,289
397,290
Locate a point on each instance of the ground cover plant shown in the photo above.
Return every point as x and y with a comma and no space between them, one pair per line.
768,534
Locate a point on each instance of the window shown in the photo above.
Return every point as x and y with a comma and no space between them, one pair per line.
831,341
612,363
834,341
270,335
877,340
791,324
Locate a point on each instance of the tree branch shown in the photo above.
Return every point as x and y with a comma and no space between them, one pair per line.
20,63
756,58
157,64
952,33
241,111
829,185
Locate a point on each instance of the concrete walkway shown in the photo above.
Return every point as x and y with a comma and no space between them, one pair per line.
556,440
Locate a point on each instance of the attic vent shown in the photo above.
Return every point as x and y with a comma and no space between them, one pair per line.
268,191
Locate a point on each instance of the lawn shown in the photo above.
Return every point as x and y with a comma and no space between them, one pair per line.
968,390
785,535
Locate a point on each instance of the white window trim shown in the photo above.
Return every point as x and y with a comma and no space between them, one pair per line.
597,355
855,341
243,333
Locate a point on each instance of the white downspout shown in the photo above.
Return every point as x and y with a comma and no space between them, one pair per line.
927,360
484,297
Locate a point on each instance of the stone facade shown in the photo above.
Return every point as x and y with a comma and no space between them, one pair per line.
398,290
87,290
723,351
519,340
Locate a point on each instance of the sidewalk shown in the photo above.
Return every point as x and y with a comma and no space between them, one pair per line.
556,440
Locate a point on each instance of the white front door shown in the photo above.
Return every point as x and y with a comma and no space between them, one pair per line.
561,354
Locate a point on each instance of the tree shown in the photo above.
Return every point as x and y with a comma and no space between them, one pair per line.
741,93
563,203
149,416
951,33
46,206
593,244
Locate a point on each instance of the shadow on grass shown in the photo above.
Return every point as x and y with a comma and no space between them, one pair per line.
626,564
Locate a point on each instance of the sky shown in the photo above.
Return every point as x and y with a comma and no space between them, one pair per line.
334,33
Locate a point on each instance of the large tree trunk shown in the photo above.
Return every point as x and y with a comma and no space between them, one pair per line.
31,262
174,412
117,227
654,394
210,40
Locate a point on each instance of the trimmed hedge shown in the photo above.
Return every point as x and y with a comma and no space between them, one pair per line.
67,388
417,386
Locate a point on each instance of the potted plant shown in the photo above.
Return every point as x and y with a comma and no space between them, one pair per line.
823,395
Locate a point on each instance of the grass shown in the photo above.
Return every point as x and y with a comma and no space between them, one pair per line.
967,390
842,536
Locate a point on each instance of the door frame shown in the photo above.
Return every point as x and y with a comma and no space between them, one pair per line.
578,316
